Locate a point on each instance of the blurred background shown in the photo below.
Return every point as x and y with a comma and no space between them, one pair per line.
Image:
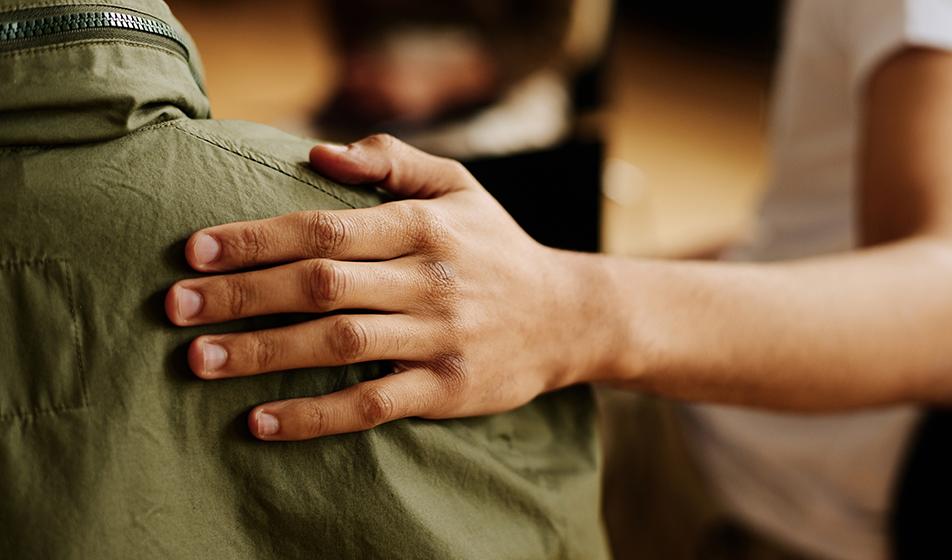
633,127
636,127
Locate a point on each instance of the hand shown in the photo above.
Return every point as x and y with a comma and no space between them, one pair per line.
476,316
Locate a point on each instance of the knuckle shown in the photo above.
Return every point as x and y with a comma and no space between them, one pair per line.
251,243
375,406
324,284
453,373
457,169
428,227
350,340
380,141
314,417
439,274
440,282
263,351
325,233
236,295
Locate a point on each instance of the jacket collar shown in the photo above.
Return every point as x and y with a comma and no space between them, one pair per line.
131,64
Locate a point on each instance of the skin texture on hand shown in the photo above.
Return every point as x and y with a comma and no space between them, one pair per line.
469,308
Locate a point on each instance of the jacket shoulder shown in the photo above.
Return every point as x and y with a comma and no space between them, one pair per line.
279,150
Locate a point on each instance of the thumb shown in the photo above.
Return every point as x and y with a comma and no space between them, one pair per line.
390,164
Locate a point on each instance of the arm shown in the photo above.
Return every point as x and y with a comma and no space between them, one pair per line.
479,318
864,328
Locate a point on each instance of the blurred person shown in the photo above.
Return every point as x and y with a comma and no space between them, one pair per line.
841,328
505,87
108,448
462,78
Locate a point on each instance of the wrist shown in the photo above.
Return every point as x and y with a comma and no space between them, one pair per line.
601,342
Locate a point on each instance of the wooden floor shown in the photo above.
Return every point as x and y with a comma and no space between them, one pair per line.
685,128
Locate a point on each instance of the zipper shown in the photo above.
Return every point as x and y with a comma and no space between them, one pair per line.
55,25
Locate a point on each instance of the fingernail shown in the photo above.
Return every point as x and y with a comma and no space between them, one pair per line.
268,425
214,356
207,249
188,303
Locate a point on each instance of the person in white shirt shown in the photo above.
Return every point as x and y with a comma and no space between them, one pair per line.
823,484
479,318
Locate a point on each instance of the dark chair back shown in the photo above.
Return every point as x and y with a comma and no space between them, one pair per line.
922,513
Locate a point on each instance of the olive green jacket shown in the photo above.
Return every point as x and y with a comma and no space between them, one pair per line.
109,446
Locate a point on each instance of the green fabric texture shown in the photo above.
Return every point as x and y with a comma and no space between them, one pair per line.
111,448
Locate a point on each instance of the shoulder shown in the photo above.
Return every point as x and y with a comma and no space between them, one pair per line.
872,31
274,149
156,186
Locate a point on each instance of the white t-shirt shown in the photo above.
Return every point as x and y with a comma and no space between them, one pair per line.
821,484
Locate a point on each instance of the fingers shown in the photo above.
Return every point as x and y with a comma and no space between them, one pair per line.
309,286
415,392
380,233
392,165
331,341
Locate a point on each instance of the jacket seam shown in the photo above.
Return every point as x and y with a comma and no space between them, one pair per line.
74,44
15,264
51,411
140,130
260,159
77,339
20,264
34,5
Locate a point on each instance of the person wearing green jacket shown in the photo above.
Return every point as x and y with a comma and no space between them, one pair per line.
110,447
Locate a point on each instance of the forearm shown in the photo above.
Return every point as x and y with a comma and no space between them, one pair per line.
865,328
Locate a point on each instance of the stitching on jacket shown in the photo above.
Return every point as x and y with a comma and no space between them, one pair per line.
51,48
31,5
20,264
34,147
41,412
77,340
260,159
15,264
